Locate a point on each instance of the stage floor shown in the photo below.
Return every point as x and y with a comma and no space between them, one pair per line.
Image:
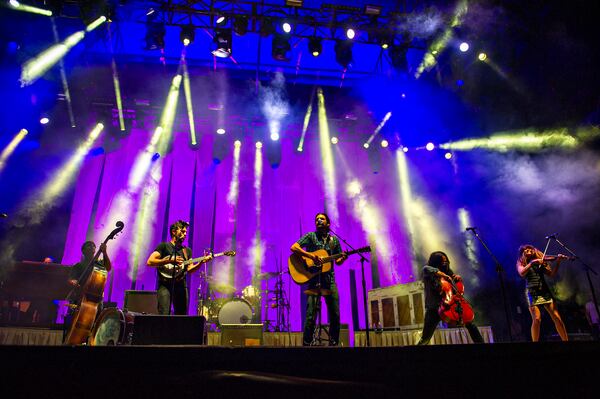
549,370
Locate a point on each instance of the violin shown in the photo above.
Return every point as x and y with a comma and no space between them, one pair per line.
92,294
454,308
555,257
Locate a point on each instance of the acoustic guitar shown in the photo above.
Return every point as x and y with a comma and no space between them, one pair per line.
167,272
302,268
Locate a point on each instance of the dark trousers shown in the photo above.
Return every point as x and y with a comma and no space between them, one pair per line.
179,291
333,311
432,319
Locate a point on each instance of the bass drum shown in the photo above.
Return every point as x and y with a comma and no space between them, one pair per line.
113,327
236,311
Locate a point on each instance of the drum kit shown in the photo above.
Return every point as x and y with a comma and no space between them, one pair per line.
223,304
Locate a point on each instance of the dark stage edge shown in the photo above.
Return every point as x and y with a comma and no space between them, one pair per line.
543,370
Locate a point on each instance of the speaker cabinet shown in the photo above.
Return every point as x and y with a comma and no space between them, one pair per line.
141,301
168,330
241,334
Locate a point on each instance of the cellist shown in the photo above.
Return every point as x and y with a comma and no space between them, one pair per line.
88,250
437,268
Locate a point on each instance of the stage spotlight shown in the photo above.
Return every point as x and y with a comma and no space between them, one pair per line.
155,32
430,146
299,149
404,149
222,42
294,3
366,145
343,52
334,140
44,120
385,42
266,27
464,47
23,7
280,47
350,33
482,56
384,143
220,131
221,20
398,57
448,155
187,35
274,136
237,144
259,144
240,25
287,27
315,46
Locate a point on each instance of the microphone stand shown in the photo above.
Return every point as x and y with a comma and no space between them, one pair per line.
499,271
364,284
587,267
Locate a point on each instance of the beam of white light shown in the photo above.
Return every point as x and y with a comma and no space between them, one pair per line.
528,140
188,102
63,78
379,127
406,205
469,245
257,245
10,148
274,106
24,7
327,158
39,65
234,184
305,124
441,42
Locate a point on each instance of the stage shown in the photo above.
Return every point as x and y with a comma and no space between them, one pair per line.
488,370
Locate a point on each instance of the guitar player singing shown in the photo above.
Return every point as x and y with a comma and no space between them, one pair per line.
322,283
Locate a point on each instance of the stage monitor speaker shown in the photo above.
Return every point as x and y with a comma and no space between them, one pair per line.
141,301
344,335
241,334
168,330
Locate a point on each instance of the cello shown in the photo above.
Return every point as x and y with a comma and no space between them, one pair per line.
92,293
454,308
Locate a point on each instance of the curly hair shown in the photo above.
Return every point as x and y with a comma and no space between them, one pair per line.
180,224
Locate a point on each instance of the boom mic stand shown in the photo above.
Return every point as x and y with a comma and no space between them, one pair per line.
587,268
364,284
499,271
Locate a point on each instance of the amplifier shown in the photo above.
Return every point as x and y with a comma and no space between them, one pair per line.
141,301
241,334
168,330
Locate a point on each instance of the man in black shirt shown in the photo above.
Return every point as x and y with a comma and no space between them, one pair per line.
168,257
313,241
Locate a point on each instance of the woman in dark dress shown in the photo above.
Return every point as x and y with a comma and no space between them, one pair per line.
533,267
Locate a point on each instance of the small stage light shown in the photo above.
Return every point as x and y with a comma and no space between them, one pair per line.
405,149
334,140
44,120
343,52
274,136
299,149
220,131
222,40
187,35
259,144
237,144
280,47
464,47
240,25
403,95
384,143
350,33
287,28
315,46
430,146
482,56
366,145
221,20
14,3
448,155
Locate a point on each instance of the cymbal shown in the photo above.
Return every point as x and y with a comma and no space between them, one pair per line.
224,288
317,291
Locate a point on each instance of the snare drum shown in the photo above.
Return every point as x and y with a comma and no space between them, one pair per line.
236,311
113,327
250,293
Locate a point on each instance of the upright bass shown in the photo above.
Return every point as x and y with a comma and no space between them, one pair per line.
92,291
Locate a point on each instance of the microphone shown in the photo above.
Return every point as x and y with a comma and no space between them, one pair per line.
471,229
553,236
3,215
